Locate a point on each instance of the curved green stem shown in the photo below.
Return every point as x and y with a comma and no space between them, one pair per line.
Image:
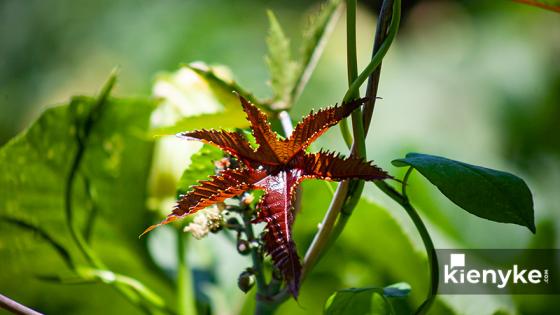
351,66
348,193
379,55
403,200
373,81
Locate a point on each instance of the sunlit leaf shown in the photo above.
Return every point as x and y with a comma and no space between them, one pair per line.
109,200
195,97
494,195
202,165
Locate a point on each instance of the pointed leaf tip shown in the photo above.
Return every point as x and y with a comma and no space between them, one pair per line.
490,194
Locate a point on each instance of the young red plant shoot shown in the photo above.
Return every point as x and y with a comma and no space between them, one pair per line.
277,167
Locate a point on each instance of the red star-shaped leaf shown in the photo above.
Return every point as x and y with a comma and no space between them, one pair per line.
277,167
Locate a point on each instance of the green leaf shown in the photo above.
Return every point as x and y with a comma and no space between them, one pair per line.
44,236
366,300
321,25
484,192
197,97
109,199
202,166
220,83
552,5
280,64
401,289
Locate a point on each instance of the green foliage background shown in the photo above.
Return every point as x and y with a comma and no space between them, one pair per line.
473,80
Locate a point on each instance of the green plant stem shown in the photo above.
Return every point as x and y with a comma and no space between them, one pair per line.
380,54
352,68
323,236
185,290
263,305
321,239
373,81
256,256
403,200
348,193
382,43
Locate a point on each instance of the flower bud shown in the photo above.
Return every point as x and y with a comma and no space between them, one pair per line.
246,281
243,247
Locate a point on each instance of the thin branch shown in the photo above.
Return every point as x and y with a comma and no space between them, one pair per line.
373,81
15,307
348,192
403,200
256,254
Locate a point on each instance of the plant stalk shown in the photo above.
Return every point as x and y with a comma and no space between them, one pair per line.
15,307
185,290
403,200
381,33
348,193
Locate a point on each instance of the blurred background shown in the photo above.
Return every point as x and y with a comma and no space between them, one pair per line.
477,81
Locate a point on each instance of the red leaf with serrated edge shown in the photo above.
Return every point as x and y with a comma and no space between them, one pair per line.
333,166
227,184
233,143
277,166
270,148
315,124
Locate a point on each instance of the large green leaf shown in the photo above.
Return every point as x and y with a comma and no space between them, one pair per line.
552,5
196,97
108,205
366,301
487,193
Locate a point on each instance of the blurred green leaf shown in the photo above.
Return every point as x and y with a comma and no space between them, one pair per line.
280,64
321,25
111,179
373,248
198,97
222,83
44,236
484,192
552,5
365,300
202,166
